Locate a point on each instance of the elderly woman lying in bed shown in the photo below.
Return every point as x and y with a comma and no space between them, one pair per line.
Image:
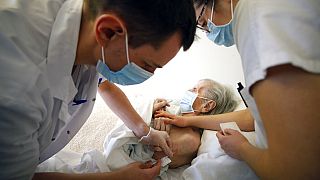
121,147
207,97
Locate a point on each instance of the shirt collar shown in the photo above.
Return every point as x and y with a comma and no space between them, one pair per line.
62,50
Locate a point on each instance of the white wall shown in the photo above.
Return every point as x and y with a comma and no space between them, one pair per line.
203,60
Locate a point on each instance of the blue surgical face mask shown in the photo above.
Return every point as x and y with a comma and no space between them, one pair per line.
187,101
221,35
130,74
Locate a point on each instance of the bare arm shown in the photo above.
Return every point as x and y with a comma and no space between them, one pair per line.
243,118
119,103
288,101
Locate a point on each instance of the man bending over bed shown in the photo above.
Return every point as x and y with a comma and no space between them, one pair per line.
207,97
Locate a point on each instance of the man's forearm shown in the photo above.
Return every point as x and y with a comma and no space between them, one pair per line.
121,106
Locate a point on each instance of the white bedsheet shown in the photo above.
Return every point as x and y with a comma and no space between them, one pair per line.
211,162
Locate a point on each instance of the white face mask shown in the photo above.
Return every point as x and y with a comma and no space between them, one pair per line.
187,101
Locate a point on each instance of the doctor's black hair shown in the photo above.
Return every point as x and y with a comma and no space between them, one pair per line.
151,21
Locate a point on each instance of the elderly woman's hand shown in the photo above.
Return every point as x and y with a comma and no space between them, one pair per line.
231,142
159,124
160,104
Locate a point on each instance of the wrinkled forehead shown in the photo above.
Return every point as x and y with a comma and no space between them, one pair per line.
201,87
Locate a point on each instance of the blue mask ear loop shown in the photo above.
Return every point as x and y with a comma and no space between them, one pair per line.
213,13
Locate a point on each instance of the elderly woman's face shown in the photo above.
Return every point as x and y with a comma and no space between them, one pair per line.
200,89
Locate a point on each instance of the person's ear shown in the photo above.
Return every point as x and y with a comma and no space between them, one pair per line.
107,28
209,106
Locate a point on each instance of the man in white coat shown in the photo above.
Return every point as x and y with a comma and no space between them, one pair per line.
50,53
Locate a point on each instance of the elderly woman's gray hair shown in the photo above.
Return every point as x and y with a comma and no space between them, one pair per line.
224,97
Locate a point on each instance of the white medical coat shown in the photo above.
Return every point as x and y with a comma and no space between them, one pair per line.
274,32
37,53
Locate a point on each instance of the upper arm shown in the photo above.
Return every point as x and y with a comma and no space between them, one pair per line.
288,101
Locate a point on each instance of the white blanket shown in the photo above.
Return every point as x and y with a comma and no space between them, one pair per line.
120,148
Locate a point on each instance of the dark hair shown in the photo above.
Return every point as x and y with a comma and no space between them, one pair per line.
199,3
151,22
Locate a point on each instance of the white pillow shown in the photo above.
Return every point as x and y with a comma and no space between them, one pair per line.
213,163
210,143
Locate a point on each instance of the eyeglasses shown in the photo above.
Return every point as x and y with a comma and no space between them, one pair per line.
200,26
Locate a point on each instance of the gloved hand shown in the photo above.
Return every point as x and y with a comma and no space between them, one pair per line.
158,139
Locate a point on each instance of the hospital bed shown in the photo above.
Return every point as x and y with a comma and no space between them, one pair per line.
211,161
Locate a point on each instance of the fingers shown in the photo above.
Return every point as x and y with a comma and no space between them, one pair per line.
158,100
160,138
169,121
157,124
150,169
219,135
166,145
156,148
162,125
160,104
230,131
169,142
164,114
155,170
168,127
146,165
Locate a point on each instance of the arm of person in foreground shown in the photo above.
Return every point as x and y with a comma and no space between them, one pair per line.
243,118
136,170
288,101
119,103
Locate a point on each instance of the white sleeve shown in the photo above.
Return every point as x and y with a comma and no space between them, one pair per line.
19,150
273,32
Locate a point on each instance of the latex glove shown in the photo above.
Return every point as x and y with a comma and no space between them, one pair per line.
159,124
158,139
